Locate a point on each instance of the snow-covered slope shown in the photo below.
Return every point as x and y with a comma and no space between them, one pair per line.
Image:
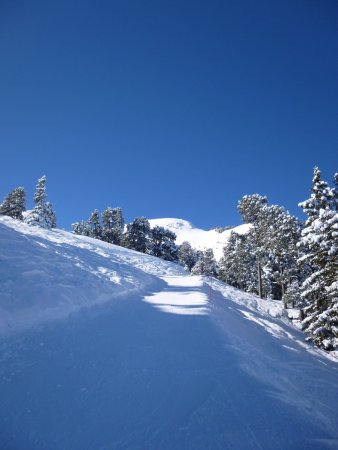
198,238
48,275
105,348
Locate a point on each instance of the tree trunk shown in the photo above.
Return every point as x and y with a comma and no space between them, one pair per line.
260,284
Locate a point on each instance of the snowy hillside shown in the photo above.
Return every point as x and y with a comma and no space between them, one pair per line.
198,238
105,348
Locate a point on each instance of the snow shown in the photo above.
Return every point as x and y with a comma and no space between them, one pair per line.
105,348
199,239
180,301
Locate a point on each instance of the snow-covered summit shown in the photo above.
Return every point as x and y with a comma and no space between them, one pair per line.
172,224
198,238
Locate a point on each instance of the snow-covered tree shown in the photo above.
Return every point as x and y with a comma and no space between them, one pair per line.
292,296
137,236
206,265
320,243
112,225
276,234
94,226
237,267
14,204
269,250
81,228
163,244
187,255
42,214
40,192
250,205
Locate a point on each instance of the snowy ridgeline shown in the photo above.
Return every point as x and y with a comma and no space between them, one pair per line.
106,348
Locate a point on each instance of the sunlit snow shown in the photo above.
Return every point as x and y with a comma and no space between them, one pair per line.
104,348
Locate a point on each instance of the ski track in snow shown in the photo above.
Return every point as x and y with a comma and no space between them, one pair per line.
104,348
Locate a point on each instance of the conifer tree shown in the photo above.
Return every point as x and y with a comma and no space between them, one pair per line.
320,242
94,226
277,233
112,225
137,236
163,244
250,206
292,295
198,268
40,192
237,266
81,228
42,214
187,255
272,241
14,204
206,265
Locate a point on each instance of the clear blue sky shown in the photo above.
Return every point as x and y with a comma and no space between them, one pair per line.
167,108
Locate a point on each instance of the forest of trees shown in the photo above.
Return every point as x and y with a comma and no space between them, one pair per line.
280,257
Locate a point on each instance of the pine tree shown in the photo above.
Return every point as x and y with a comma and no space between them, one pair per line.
206,265
187,255
40,192
292,296
42,214
163,244
112,225
320,243
250,206
209,263
14,204
278,233
198,268
137,236
273,240
94,226
237,266
81,228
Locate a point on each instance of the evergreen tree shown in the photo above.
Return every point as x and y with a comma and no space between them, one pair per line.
81,228
42,214
137,236
198,268
163,244
269,250
277,234
292,295
209,263
237,266
112,225
187,255
320,243
206,265
94,226
14,204
40,192
249,207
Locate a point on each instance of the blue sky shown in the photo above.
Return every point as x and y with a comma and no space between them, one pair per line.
167,108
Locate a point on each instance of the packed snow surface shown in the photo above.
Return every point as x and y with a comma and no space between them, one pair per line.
105,348
199,239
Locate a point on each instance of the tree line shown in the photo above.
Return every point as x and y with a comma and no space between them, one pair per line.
280,257
42,214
